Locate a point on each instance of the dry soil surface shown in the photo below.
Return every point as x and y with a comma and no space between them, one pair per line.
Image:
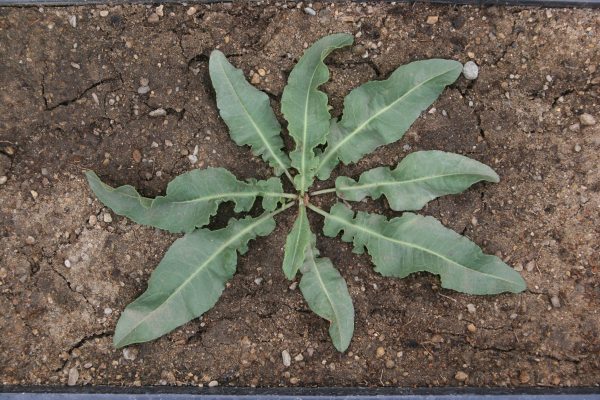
77,86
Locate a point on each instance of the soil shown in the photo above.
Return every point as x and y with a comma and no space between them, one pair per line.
70,101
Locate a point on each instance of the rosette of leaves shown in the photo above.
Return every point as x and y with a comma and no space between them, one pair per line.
192,275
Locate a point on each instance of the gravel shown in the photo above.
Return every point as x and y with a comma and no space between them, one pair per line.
287,359
73,377
461,376
587,120
153,18
310,11
159,112
137,156
143,89
470,70
555,301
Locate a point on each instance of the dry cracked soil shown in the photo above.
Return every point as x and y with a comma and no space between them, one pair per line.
77,86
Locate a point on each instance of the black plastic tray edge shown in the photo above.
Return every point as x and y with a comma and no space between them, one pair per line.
537,3
74,392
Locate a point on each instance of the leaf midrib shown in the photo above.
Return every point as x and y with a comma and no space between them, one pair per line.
376,234
389,183
368,121
207,263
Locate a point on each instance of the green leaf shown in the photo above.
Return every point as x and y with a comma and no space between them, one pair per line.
327,295
414,243
247,112
420,177
296,243
378,113
305,107
191,198
189,280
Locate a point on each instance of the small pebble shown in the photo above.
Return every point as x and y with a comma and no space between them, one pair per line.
73,377
461,376
137,156
310,11
555,301
359,49
153,18
104,13
548,78
92,220
474,221
212,383
168,143
519,267
293,286
108,311
390,364
159,10
3,179
30,240
73,21
67,263
193,159
144,81
143,89
299,357
432,19
380,351
34,194
470,70
574,127
530,266
130,354
261,72
107,218
587,120
191,11
577,148
255,79
9,150
471,308
294,381
471,328
159,112
45,171
287,359
524,377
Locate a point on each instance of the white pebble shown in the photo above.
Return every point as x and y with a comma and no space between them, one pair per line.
3,179
213,383
67,263
470,70
577,148
108,311
555,301
310,11
287,359
107,218
159,112
587,119
104,13
433,110
73,21
73,377
143,89
193,159
191,11
471,308
258,281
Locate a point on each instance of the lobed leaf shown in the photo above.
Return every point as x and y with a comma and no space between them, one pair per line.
419,178
191,198
327,295
414,243
295,244
247,112
378,113
189,280
305,107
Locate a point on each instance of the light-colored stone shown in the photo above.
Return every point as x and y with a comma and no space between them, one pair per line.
287,359
213,384
587,120
432,19
73,377
380,352
137,156
470,70
461,376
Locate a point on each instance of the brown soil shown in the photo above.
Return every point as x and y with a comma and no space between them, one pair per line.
69,101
